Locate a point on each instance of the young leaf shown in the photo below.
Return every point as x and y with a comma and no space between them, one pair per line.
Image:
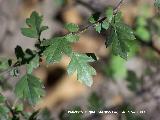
34,26
33,64
98,27
29,87
93,18
109,14
72,38
120,37
79,63
57,47
107,21
71,27
105,24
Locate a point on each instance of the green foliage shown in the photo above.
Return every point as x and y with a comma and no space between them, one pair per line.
56,48
34,26
95,102
72,27
94,18
141,29
120,37
3,109
33,64
72,37
133,81
157,3
118,67
109,14
104,24
98,27
2,99
4,112
79,63
29,87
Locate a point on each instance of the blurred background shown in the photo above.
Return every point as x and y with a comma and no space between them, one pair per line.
132,85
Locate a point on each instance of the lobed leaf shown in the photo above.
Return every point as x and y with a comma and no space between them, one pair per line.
79,63
29,87
71,27
56,48
33,64
120,37
34,28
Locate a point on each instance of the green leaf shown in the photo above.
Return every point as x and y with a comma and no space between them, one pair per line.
120,37
79,63
141,29
4,111
19,108
29,87
143,33
34,26
157,3
98,27
71,27
72,37
95,102
57,47
109,14
93,18
105,24
33,64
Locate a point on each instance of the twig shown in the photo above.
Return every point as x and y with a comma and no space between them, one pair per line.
148,44
100,20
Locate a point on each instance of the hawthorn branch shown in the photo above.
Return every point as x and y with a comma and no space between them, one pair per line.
17,64
148,44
